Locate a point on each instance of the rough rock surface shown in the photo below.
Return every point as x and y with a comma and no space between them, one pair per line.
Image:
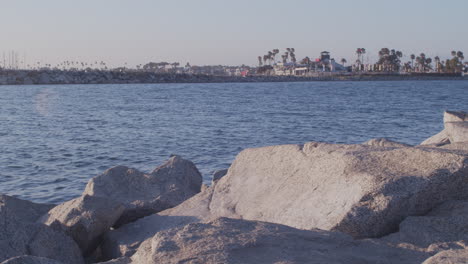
449,257
30,260
218,175
125,240
463,146
238,241
452,133
455,116
384,142
361,190
27,211
85,219
445,227
439,139
457,131
143,194
20,235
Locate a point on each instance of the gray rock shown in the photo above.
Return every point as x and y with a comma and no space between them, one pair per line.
454,116
21,236
457,131
125,240
361,190
239,241
383,142
452,133
439,139
218,175
145,194
449,257
30,260
27,211
445,227
85,219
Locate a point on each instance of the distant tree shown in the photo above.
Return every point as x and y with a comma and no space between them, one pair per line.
275,52
343,61
284,58
260,62
455,65
306,61
292,55
423,62
390,59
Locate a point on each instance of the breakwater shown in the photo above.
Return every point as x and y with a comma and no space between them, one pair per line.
22,77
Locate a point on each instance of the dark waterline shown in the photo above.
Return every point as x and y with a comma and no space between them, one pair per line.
54,138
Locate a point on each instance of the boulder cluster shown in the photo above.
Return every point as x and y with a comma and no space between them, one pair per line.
376,202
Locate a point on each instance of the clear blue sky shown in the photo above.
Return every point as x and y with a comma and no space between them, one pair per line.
225,31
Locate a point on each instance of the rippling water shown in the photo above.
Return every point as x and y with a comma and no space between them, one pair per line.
54,138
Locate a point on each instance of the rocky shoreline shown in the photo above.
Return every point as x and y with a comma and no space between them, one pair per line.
28,77
376,202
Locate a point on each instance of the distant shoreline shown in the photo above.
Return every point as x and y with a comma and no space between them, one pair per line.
27,77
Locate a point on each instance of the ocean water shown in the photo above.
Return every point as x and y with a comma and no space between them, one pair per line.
54,138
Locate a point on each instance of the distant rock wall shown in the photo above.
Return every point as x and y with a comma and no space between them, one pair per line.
20,77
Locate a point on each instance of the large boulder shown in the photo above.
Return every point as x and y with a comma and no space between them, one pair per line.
239,241
457,131
85,219
438,139
449,257
452,133
445,227
27,211
361,190
124,241
365,191
20,235
143,194
455,116
30,260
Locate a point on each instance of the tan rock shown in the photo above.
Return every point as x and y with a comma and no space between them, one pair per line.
445,227
20,235
361,190
457,131
239,241
439,139
85,219
454,116
125,240
144,194
449,257
383,142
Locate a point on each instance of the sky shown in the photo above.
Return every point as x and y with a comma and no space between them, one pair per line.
212,32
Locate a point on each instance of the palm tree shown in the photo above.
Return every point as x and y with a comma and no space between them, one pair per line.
360,53
454,53
260,61
286,55
275,52
412,60
437,62
293,56
343,61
